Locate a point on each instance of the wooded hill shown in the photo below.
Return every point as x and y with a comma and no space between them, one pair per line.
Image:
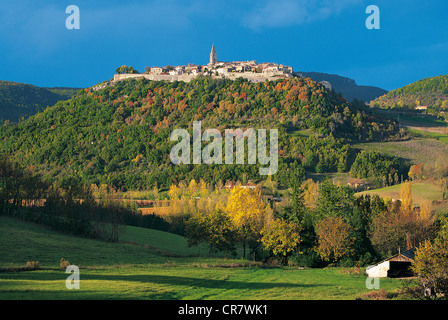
22,100
120,135
431,92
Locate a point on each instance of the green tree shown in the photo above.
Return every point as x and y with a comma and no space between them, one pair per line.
214,229
125,69
333,200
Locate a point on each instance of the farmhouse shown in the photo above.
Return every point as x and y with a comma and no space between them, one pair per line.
232,184
395,266
356,184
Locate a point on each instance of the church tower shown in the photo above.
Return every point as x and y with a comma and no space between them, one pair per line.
213,57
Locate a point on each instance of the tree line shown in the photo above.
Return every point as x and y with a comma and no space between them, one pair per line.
318,223
67,205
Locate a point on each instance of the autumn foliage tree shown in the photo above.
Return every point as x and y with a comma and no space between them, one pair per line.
311,193
248,214
431,266
334,238
415,171
282,238
399,227
406,196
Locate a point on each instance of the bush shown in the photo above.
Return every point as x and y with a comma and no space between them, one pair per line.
347,262
63,264
32,265
308,259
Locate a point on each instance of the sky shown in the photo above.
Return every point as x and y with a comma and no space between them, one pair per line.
327,36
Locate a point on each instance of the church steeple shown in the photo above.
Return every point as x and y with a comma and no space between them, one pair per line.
213,57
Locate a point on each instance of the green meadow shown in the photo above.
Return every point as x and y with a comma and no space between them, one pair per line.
426,151
155,265
442,137
420,191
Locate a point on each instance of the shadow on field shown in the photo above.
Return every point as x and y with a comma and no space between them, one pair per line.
199,282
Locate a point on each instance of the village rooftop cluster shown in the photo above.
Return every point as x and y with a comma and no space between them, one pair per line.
215,67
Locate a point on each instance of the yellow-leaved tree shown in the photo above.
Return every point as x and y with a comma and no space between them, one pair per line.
431,265
311,193
282,238
406,196
247,213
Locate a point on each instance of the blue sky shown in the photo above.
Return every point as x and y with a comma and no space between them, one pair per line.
325,36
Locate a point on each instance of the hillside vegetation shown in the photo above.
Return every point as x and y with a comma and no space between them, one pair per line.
23,100
431,92
120,135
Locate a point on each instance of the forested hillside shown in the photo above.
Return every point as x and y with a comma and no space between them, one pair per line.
430,92
22,100
120,135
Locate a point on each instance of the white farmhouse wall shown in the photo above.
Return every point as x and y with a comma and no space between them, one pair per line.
379,270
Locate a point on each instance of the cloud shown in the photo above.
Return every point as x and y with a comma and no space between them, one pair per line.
286,13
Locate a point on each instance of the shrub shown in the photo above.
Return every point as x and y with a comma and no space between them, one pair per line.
375,295
63,264
32,265
308,259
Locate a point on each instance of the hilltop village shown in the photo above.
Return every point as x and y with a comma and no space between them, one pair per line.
251,70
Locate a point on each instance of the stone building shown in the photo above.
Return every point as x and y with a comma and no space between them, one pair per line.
213,56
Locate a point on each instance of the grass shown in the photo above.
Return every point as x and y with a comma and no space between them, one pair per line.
423,120
131,271
305,133
412,118
420,150
193,283
163,242
442,137
421,191
22,242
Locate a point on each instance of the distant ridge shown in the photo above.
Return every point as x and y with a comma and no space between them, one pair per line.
430,92
23,100
346,86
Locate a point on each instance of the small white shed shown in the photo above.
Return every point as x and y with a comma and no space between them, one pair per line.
395,266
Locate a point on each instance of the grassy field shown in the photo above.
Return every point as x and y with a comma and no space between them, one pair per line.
421,191
188,282
421,120
439,135
419,150
412,118
164,243
137,271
